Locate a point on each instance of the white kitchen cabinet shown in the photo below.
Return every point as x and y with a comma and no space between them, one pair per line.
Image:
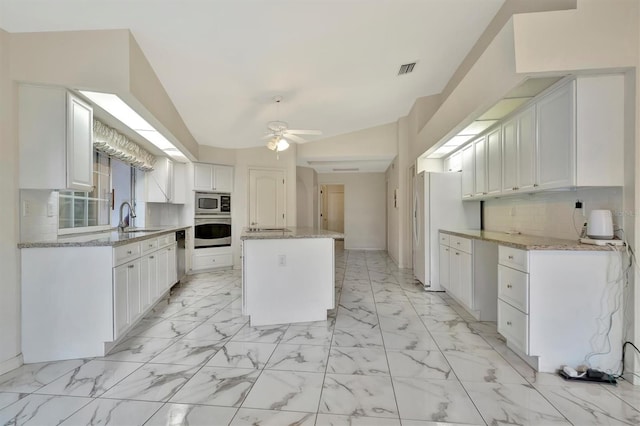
212,177
480,166
55,129
453,163
519,152
211,257
494,162
443,262
556,138
536,291
471,274
468,172
64,318
164,184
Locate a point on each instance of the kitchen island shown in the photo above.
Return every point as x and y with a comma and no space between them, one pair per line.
288,274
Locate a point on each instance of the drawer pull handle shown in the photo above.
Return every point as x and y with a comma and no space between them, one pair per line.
457,254
510,257
508,322
152,257
458,242
509,286
150,245
129,252
132,266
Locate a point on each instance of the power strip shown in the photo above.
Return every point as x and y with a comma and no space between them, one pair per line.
602,242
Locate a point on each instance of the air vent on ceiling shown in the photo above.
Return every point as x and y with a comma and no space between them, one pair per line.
406,68
347,170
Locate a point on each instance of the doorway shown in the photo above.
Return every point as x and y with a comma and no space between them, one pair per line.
332,207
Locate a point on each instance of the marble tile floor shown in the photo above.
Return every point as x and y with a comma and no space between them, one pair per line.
389,354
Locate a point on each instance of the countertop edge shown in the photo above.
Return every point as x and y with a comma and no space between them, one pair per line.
505,239
99,242
290,233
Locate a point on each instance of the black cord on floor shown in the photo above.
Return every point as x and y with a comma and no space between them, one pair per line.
624,346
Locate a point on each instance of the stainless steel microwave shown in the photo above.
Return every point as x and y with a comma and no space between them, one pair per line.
213,203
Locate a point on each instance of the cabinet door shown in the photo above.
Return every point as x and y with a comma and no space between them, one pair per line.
172,267
179,190
510,155
527,174
494,162
454,272
120,294
162,270
133,290
159,182
145,283
79,144
465,265
480,163
202,177
556,145
223,178
468,171
154,290
444,266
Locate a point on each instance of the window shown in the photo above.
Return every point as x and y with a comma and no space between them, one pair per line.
88,209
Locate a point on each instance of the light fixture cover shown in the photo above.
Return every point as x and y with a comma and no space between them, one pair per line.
282,144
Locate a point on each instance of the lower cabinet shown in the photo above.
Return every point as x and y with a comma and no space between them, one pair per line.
212,257
139,283
560,307
467,275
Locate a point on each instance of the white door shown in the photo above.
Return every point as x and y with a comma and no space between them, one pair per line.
266,198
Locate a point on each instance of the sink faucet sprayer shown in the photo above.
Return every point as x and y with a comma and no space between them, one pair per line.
122,225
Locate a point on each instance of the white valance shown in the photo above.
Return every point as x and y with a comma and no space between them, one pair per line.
107,139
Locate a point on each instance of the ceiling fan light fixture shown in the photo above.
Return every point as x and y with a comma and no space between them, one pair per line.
282,144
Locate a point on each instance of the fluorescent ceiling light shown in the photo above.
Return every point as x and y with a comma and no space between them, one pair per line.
477,127
458,140
125,114
503,108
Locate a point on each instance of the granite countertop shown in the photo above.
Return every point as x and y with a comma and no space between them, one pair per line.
525,242
103,238
288,232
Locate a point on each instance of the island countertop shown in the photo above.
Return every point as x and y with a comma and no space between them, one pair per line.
526,242
288,232
103,238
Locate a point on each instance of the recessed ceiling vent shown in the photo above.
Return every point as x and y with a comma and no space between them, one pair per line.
347,170
406,68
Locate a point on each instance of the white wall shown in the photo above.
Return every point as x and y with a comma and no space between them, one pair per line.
364,208
306,196
10,345
551,214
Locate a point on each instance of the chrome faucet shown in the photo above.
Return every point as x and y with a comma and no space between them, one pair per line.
122,225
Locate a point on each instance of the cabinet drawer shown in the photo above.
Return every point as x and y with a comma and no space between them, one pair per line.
444,239
463,244
513,287
515,258
514,326
123,254
209,261
149,245
165,240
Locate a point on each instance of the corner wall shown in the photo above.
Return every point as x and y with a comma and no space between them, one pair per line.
364,208
10,343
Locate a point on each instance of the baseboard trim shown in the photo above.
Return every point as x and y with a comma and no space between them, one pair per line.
11,364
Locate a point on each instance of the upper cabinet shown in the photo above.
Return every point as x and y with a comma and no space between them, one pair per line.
572,136
164,184
212,177
55,129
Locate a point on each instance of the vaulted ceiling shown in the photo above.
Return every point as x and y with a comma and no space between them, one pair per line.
334,62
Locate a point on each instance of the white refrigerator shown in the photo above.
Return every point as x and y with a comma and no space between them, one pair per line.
437,204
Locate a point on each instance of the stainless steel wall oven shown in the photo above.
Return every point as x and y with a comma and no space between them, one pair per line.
212,231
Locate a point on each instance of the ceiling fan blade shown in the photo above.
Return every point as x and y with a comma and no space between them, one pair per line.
268,136
304,132
295,138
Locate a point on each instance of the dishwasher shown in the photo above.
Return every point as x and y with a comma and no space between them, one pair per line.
181,254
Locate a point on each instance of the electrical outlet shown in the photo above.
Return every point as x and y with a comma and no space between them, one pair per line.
26,208
282,260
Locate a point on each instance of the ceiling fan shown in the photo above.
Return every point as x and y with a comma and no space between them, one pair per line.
279,134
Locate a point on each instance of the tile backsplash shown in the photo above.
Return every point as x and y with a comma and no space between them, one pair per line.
551,214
